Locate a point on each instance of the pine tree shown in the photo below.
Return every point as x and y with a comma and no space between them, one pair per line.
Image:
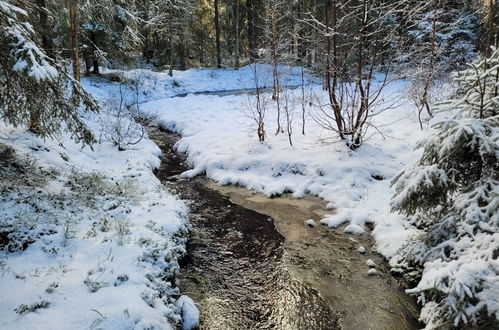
451,194
36,91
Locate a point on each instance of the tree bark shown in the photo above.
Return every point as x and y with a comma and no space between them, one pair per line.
217,35
237,35
182,56
44,27
73,38
491,28
95,60
172,57
252,44
332,81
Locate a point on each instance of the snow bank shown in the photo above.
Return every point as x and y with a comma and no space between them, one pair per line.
91,238
221,142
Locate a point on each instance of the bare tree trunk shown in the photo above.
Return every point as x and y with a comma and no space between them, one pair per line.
428,80
34,120
146,52
490,28
363,93
217,35
172,58
73,38
332,81
303,106
252,37
87,59
289,112
237,34
44,28
182,56
276,97
273,38
95,59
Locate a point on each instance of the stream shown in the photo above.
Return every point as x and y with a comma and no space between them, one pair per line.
252,263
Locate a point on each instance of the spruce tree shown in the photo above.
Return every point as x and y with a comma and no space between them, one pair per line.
451,194
35,90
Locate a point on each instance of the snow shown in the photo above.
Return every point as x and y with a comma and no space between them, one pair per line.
354,229
101,235
361,250
28,57
372,272
370,263
190,313
391,233
310,223
159,85
221,142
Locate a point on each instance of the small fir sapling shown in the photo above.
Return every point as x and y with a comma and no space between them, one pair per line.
451,194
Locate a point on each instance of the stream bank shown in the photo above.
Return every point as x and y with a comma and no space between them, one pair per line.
253,264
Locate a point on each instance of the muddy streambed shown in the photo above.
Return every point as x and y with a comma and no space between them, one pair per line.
253,264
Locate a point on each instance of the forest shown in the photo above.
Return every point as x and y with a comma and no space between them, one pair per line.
249,164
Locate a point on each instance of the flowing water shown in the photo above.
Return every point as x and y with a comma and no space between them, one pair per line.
253,264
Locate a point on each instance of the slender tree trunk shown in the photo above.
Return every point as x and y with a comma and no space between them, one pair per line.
332,68
433,56
172,58
95,59
44,28
274,58
356,125
87,59
34,120
73,38
217,35
237,34
303,106
252,44
146,50
489,28
424,102
182,56
273,53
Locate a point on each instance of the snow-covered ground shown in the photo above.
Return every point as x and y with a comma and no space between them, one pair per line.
92,237
102,224
158,85
98,236
221,141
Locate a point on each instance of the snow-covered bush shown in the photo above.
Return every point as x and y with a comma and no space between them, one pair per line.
451,194
21,171
118,121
